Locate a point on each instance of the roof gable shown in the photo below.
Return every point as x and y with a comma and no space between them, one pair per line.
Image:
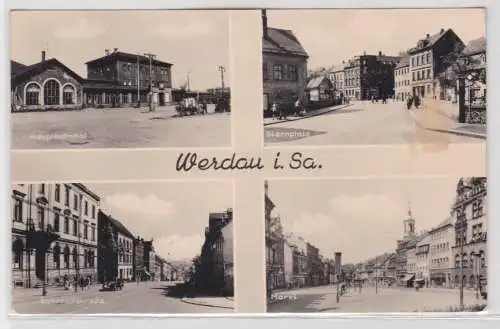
16,67
430,41
474,47
119,55
283,42
316,82
40,67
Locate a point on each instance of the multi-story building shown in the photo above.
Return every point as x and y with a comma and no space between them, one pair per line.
227,253
284,67
411,260
68,210
149,260
427,62
423,257
121,79
125,251
211,276
402,79
300,271
469,217
138,264
315,265
336,74
442,238
289,250
46,85
368,76
405,274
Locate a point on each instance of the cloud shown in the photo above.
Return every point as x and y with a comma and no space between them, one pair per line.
175,247
359,226
80,29
189,29
150,205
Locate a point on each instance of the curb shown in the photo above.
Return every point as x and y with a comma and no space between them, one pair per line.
447,131
187,301
308,115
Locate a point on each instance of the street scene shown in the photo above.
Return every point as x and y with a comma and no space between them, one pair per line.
376,245
152,92
425,84
122,248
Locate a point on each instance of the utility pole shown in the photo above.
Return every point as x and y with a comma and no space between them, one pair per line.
222,69
188,82
151,100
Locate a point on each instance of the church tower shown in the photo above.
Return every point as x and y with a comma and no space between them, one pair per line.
409,223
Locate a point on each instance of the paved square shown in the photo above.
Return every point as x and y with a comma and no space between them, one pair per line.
118,128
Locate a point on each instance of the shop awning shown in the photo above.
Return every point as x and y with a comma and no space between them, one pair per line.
408,277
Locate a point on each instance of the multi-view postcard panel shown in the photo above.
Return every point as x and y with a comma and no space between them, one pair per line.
419,76
129,87
122,248
376,245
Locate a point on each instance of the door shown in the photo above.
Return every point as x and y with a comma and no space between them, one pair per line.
266,102
161,99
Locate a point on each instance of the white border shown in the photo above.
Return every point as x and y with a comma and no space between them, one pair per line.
397,321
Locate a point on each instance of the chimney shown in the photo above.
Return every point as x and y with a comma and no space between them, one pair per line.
115,50
106,52
379,53
427,36
442,30
264,22
43,55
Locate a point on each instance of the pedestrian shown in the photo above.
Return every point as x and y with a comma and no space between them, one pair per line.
409,102
274,110
298,107
417,101
282,112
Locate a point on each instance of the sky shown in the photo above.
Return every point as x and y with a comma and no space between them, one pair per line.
332,35
173,214
361,218
182,38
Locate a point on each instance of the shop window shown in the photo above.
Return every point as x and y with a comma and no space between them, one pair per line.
32,96
18,210
57,257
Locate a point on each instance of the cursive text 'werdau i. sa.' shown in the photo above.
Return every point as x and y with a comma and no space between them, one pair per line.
189,161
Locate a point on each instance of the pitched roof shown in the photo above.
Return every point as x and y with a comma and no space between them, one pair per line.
119,55
40,67
474,47
16,67
403,61
446,222
281,41
122,228
430,41
316,82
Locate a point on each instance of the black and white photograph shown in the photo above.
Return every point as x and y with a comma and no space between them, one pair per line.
122,248
120,79
374,76
376,245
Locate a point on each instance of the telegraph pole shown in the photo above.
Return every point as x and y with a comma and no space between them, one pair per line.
222,70
151,57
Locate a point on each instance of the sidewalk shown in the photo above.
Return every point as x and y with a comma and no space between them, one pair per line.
32,294
312,113
435,120
218,302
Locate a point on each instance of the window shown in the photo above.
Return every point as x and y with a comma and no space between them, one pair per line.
41,217
428,73
75,202
57,257
428,59
66,195
66,257
56,221
86,208
277,72
265,73
292,73
32,96
85,232
93,211
107,98
66,225
57,192
75,226
51,92
69,95
477,209
18,210
92,234
413,76
75,258
17,254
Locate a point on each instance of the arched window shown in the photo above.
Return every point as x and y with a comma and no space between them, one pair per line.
69,95
57,222
51,92
17,254
66,257
85,258
464,260
57,257
457,261
32,95
75,257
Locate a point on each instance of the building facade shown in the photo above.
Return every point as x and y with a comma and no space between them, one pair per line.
427,63
138,260
284,67
370,76
423,258
121,79
125,251
289,250
320,89
45,86
474,55
68,210
149,260
227,254
470,252
402,79
442,238
336,74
